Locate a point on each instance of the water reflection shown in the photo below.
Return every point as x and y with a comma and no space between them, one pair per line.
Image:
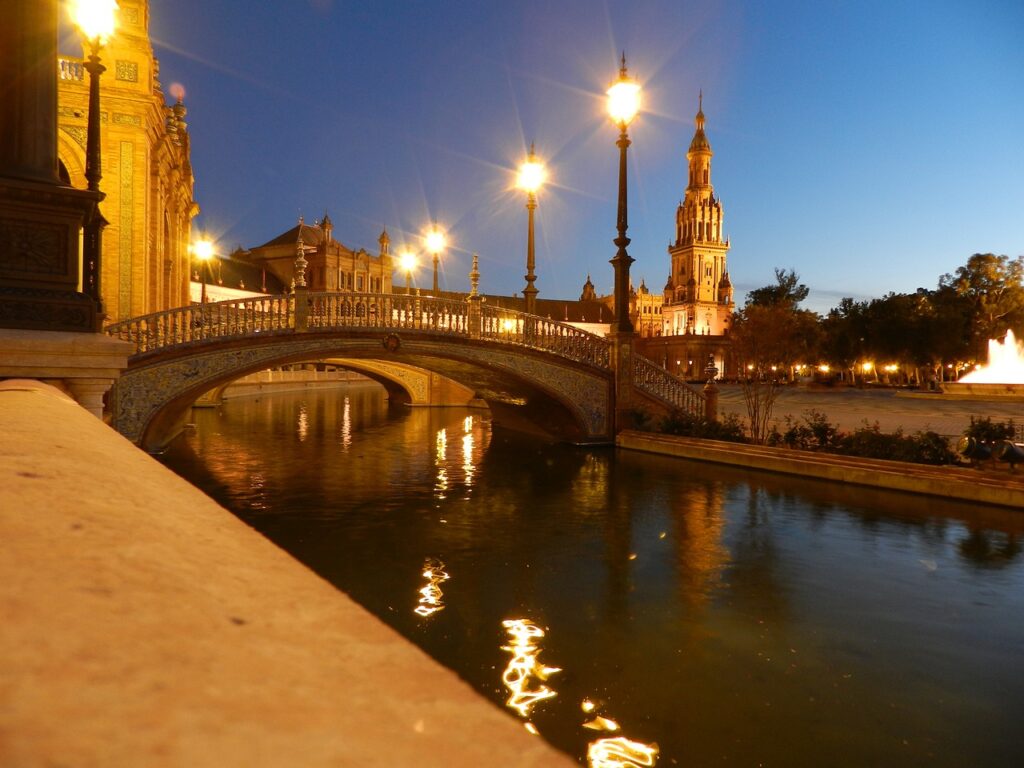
303,425
525,676
430,595
760,619
620,752
346,424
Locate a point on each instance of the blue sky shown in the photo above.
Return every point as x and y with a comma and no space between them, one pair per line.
871,146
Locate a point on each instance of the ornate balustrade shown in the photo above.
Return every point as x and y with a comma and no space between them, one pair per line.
70,68
201,322
654,380
339,311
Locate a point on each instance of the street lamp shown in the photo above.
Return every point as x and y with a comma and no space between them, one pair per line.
623,104
435,242
203,251
95,21
407,260
531,177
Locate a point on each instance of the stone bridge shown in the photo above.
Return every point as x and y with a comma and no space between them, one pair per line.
526,368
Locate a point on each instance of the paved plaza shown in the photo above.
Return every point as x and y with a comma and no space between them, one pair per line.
850,408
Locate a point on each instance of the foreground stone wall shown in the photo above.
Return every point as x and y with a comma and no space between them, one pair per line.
145,625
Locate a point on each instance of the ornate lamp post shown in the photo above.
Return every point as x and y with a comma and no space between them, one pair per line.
623,105
435,242
531,177
95,21
203,250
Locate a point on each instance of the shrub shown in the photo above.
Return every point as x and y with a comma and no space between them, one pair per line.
984,430
687,425
920,448
813,433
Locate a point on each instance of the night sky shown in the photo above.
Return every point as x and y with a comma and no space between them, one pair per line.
871,146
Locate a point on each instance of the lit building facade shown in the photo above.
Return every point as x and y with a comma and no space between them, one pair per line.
331,266
147,172
696,307
698,293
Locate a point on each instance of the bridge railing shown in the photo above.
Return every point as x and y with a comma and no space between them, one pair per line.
651,378
201,322
238,318
540,333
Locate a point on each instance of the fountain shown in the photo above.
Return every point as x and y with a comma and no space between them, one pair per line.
1002,377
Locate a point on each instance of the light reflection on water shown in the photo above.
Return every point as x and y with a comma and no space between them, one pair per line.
760,620
430,601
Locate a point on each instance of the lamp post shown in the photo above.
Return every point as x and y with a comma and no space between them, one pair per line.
435,242
623,105
531,177
203,251
95,21
407,260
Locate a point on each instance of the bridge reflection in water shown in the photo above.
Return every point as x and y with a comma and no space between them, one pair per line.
726,617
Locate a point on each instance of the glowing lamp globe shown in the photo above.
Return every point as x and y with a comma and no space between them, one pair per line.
435,241
532,174
624,99
203,250
94,18
408,261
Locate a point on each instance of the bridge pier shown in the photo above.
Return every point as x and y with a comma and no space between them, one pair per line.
623,351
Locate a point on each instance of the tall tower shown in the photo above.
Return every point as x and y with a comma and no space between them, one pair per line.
698,294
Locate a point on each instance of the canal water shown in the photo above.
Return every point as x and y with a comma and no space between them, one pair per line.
620,603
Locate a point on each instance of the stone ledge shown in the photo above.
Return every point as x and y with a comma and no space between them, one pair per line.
145,625
61,355
949,482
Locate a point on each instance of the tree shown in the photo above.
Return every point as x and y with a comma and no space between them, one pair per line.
769,335
994,287
788,291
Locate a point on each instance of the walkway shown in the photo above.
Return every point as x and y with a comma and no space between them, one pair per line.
849,408
144,625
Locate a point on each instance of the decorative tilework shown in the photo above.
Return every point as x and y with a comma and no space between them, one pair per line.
126,71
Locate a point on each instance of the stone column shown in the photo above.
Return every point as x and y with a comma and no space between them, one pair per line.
40,219
28,90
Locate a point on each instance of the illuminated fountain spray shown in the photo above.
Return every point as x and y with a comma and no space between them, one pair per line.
1005,363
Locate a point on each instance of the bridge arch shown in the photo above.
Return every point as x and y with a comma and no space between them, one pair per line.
151,400
557,376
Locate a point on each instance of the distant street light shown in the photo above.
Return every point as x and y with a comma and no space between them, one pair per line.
435,241
623,105
531,178
408,261
96,23
203,250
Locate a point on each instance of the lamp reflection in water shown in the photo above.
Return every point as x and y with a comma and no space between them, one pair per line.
524,667
430,595
346,425
303,426
442,474
616,751
468,467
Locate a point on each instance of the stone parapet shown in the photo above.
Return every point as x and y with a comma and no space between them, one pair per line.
84,364
145,625
948,482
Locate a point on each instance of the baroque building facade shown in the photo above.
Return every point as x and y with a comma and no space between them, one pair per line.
330,264
698,293
146,166
697,305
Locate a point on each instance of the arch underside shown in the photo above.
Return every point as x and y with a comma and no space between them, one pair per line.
567,400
